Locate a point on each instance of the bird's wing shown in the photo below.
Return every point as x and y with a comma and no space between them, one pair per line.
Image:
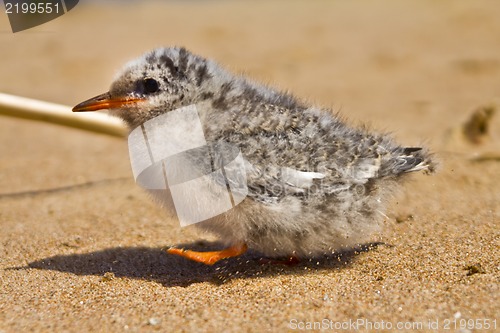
269,184
298,150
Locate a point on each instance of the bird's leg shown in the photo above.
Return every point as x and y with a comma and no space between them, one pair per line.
210,258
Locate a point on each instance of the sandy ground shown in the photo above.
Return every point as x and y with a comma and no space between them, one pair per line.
81,244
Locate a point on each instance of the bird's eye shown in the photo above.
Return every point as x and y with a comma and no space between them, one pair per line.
150,86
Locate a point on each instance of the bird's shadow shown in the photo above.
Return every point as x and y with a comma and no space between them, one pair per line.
154,264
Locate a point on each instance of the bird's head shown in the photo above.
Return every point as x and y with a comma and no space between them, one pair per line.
159,81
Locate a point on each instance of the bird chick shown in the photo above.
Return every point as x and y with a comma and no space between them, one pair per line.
315,184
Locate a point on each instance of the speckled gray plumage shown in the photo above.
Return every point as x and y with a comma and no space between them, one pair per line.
338,178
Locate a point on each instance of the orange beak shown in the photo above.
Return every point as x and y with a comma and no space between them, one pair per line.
104,101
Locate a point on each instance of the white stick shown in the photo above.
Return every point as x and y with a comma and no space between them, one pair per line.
21,107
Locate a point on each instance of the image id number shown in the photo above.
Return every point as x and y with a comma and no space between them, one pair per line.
470,324
31,8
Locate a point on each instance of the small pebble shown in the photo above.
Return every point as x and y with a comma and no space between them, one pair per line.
108,276
475,269
153,321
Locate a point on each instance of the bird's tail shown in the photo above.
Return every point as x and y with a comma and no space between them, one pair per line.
414,159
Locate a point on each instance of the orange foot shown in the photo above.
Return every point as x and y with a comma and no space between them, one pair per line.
290,261
210,258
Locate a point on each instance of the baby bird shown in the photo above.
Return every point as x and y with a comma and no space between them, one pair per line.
315,184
